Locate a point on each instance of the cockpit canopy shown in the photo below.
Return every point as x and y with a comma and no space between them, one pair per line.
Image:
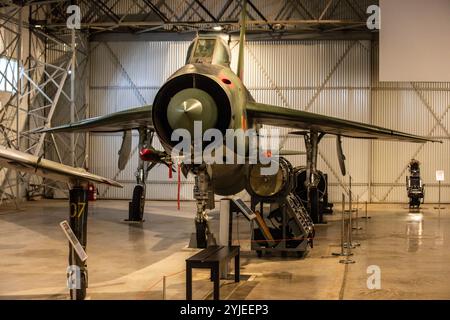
209,50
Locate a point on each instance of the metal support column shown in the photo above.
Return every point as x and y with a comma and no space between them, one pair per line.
18,98
72,97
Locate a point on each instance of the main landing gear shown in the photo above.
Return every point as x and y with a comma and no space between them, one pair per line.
312,140
137,204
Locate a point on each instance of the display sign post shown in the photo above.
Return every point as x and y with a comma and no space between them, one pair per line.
440,176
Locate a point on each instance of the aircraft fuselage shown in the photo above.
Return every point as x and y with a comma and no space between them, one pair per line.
196,91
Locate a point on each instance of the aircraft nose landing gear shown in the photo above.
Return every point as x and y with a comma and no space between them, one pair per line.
201,230
204,196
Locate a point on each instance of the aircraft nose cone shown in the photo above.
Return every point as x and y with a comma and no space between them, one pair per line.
191,105
192,108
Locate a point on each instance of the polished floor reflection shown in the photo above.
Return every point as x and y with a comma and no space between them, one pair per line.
410,250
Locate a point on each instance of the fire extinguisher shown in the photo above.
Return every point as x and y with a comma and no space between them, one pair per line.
92,192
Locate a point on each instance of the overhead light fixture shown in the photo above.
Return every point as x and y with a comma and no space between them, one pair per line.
217,28
278,26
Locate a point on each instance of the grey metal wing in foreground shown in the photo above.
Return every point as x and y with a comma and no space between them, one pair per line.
28,163
290,118
134,118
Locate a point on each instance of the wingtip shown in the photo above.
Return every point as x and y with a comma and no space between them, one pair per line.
115,184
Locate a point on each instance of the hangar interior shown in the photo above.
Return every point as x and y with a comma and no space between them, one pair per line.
315,56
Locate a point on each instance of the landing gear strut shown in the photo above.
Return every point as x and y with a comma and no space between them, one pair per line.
204,196
136,206
312,140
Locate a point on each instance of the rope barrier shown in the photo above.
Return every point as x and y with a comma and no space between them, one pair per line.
148,289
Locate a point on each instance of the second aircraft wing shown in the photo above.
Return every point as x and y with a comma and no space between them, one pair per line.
119,121
25,162
290,118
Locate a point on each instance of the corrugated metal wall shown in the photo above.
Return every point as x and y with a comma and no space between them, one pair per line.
9,41
419,108
336,78
125,75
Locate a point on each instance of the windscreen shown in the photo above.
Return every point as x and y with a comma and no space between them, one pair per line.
205,48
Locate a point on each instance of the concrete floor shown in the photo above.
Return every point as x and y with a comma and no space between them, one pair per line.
128,261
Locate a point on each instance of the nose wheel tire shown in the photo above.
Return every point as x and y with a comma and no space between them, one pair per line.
314,206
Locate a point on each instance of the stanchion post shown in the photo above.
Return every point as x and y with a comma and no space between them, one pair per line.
350,212
350,221
357,215
366,212
350,194
352,244
365,209
439,205
343,224
164,288
348,251
343,230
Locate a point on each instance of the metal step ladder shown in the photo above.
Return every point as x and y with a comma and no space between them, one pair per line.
297,211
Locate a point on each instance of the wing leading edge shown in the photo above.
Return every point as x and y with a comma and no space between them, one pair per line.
25,162
119,121
284,117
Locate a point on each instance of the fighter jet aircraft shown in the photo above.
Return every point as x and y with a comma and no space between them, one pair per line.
205,89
